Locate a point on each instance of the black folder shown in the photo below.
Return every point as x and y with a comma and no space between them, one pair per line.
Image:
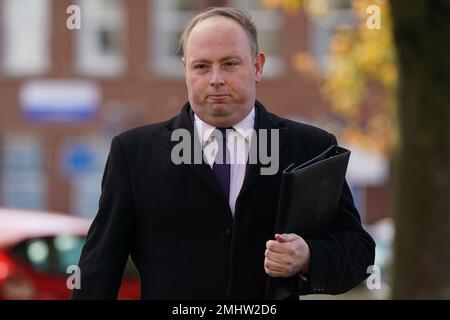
307,204
310,193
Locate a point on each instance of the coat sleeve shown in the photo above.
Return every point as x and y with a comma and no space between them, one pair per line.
338,262
109,239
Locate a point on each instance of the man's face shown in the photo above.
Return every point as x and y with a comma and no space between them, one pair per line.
221,73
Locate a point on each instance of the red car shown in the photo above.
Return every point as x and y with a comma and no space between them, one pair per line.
36,249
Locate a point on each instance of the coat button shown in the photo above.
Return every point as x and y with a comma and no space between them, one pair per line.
228,231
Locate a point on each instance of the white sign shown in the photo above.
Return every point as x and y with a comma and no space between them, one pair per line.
60,100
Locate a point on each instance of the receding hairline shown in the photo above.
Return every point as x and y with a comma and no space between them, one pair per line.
240,17
216,17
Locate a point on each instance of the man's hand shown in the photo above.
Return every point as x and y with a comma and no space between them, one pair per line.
286,256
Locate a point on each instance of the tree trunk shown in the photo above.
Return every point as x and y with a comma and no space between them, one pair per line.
422,158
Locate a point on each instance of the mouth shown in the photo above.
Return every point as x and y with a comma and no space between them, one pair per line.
218,96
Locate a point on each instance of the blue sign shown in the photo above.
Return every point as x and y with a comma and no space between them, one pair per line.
78,159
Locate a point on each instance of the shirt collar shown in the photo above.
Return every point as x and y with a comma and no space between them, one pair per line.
243,128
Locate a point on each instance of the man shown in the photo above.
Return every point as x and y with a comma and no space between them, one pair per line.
194,234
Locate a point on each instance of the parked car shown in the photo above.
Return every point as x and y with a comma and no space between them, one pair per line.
36,249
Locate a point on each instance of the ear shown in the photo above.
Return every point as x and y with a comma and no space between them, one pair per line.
183,60
259,65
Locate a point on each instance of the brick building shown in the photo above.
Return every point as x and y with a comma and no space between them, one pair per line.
64,93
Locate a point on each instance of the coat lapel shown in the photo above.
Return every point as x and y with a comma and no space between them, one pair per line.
185,121
263,120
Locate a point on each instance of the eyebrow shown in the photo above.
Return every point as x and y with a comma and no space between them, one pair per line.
221,60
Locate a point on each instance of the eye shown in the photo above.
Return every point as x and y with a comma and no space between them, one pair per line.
231,63
200,66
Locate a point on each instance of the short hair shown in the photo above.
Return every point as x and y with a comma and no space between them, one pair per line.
238,15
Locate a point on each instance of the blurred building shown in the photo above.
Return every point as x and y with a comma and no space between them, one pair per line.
65,93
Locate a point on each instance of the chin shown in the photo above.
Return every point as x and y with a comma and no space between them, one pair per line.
219,109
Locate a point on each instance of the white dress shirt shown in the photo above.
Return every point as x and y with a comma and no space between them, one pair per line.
238,144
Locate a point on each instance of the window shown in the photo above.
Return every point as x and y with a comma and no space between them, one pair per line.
23,178
100,41
167,23
268,23
25,37
325,20
170,17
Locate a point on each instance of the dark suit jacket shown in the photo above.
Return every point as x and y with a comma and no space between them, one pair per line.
179,230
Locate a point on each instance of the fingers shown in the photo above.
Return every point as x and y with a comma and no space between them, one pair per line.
282,258
277,264
274,269
277,269
273,265
280,247
275,273
286,237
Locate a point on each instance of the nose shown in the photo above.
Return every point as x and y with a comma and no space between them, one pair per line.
217,77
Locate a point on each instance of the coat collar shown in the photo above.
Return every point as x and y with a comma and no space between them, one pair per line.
263,120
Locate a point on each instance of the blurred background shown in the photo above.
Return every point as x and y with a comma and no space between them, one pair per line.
65,93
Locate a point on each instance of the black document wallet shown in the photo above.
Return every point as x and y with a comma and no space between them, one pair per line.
310,193
307,205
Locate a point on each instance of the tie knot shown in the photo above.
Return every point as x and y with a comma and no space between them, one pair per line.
223,132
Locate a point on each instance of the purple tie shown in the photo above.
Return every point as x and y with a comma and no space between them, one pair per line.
220,167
